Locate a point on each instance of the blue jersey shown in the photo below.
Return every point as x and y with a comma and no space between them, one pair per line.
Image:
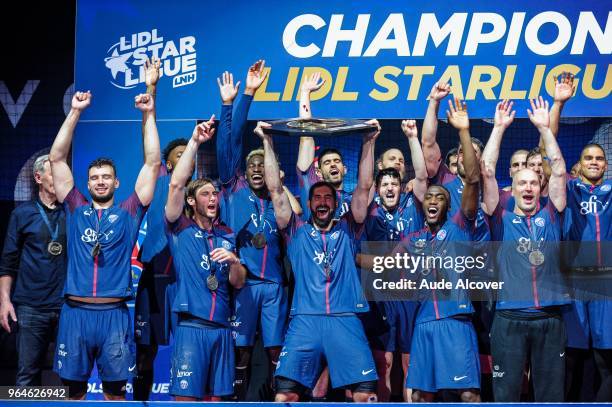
382,225
452,241
108,274
191,246
245,213
526,285
588,219
454,185
155,244
308,179
323,263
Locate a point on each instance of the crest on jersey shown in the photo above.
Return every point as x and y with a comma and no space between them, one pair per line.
441,234
226,245
606,187
335,235
539,222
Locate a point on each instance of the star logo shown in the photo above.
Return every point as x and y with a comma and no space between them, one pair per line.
117,63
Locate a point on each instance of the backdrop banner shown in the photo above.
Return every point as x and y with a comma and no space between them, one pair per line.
378,59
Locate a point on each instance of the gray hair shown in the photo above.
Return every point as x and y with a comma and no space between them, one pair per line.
39,164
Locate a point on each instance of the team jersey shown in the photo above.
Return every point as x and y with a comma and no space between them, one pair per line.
454,185
155,243
588,219
452,241
107,274
245,213
382,225
323,263
528,286
190,246
308,179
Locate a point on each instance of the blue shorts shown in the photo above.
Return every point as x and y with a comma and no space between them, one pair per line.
260,305
339,340
589,319
400,317
202,361
153,308
97,332
444,355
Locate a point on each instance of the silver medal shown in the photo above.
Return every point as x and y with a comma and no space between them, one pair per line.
536,257
55,248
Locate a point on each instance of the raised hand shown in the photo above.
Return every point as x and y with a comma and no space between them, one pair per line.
439,91
204,131
538,114
458,115
564,88
373,135
144,102
259,130
409,128
81,100
312,83
152,71
255,76
227,89
504,115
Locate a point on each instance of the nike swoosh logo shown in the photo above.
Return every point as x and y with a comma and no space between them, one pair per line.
365,372
459,378
561,354
131,369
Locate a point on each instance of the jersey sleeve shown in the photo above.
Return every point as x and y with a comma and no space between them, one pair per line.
496,223
133,206
295,222
176,227
74,199
443,176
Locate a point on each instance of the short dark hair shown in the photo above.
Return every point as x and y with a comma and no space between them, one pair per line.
322,184
100,162
391,172
533,152
172,145
327,151
599,146
451,152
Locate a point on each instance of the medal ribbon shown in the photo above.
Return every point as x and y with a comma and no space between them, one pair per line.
54,233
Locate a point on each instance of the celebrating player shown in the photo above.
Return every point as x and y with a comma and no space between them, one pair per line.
327,289
206,266
95,324
527,320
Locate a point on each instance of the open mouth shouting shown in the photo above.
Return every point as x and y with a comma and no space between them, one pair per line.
257,179
432,212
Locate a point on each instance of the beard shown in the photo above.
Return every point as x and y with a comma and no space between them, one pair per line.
322,223
102,198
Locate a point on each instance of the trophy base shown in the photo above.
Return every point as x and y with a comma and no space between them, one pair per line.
319,127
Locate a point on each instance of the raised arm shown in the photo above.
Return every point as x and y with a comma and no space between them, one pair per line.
361,194
419,182
229,147
458,118
152,75
306,150
184,168
540,118
431,149
58,157
145,183
504,115
280,200
564,89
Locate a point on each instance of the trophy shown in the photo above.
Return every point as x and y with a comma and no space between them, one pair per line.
319,127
